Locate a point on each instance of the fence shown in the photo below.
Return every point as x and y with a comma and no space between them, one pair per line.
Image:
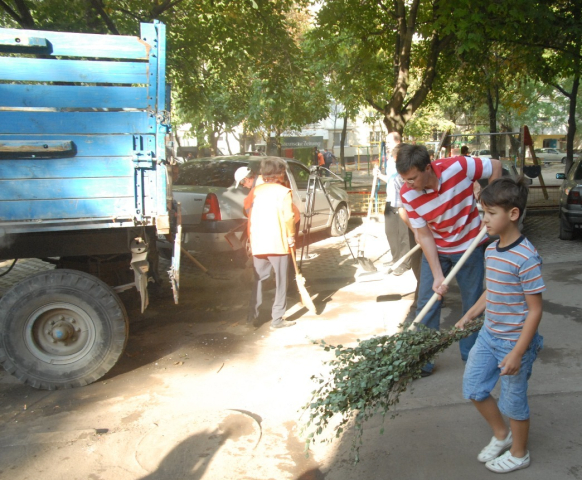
536,200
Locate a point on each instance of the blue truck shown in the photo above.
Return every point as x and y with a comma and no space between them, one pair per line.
85,183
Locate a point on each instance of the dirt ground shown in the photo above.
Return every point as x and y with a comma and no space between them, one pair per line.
198,396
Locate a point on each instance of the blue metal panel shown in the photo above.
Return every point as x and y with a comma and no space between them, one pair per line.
157,181
86,145
84,45
85,167
78,188
77,122
58,96
42,70
66,209
108,176
149,34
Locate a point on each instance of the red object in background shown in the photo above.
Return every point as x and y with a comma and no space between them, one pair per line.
574,198
527,140
211,209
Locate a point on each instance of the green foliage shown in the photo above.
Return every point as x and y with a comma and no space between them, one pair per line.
371,376
383,54
228,61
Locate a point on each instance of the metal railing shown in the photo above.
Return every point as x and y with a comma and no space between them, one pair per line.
359,200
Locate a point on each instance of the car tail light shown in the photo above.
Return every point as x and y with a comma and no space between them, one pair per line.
211,210
574,198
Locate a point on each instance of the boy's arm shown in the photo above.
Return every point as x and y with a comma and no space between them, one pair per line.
511,363
473,312
497,170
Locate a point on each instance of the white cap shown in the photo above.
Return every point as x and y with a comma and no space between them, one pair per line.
240,174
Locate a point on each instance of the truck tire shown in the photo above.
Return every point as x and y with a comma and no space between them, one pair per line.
61,329
566,229
339,222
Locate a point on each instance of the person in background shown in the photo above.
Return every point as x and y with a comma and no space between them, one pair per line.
438,198
272,236
315,159
465,150
244,177
329,159
399,237
508,342
320,159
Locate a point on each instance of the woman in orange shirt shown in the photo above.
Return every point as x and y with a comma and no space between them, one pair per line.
272,234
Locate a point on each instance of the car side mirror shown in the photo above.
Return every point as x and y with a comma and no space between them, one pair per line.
561,176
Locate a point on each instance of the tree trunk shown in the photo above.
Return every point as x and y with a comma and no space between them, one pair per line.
572,123
493,104
200,140
343,142
513,142
98,6
23,17
394,124
227,143
279,147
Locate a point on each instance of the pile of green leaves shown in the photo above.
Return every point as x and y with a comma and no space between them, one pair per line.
370,377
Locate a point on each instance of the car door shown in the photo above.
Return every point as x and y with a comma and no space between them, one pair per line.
553,155
299,184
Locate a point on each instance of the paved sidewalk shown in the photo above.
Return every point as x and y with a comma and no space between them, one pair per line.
197,396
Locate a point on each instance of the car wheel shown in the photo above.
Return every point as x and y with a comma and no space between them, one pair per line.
243,255
339,223
564,160
566,229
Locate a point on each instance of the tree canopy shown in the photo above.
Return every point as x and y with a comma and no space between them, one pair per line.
277,65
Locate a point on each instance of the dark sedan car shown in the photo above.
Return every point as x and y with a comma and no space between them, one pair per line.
570,200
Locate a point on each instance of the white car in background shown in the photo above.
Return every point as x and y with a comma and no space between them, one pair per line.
548,155
481,153
212,207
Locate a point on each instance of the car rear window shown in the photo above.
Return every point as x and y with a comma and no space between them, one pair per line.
200,173
578,172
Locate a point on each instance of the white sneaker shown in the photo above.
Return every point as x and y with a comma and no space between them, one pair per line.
508,463
494,448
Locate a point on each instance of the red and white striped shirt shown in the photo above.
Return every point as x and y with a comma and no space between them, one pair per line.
450,211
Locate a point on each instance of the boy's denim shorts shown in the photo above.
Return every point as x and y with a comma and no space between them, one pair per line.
482,373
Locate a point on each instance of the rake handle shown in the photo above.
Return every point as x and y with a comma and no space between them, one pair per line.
403,259
450,276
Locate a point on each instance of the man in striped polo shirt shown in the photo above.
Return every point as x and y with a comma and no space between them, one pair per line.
438,198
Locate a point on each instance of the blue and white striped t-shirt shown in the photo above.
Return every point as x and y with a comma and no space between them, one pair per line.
512,272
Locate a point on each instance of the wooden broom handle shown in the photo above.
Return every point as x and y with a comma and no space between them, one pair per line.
451,275
292,253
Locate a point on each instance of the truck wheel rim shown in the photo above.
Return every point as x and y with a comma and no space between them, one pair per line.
59,333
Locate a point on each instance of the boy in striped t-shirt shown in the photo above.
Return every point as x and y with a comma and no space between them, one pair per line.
508,342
